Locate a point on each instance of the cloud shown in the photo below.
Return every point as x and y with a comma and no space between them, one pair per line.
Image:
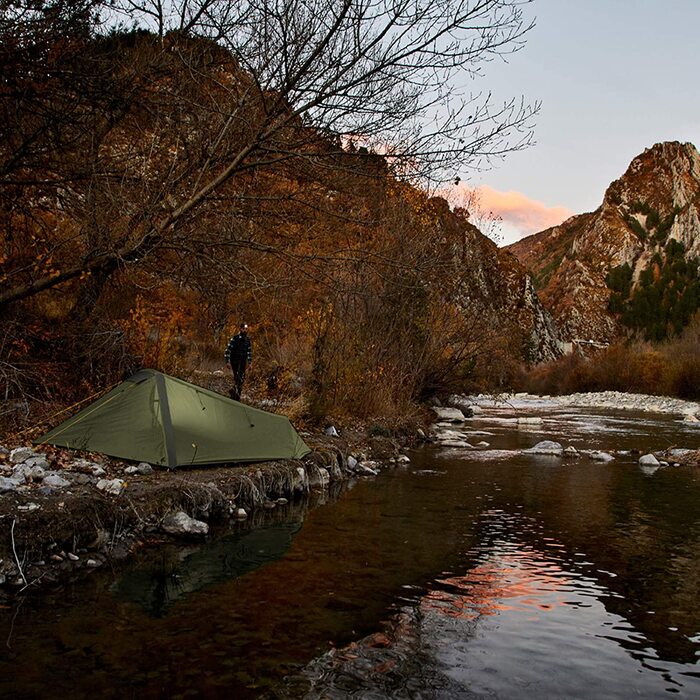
515,209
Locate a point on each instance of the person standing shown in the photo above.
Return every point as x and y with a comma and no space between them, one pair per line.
239,356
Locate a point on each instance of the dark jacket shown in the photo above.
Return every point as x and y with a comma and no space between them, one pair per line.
239,349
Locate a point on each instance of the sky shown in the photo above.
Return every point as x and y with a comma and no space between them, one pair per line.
614,77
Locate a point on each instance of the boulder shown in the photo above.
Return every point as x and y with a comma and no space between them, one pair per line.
25,472
602,457
21,454
113,486
181,524
88,467
648,461
462,403
39,461
7,484
55,481
142,468
546,447
449,414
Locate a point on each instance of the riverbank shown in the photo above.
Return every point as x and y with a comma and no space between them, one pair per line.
613,400
64,515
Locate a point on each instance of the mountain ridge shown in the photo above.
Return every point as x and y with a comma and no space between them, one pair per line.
656,201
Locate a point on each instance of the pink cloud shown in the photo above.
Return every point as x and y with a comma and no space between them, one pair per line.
514,208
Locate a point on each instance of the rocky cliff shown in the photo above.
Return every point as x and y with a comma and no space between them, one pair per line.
632,262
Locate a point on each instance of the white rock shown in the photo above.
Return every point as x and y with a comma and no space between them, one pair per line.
461,444
29,507
331,431
92,563
691,418
679,452
367,468
241,513
529,420
144,468
546,447
55,481
483,443
403,459
73,557
21,454
181,524
649,461
38,462
352,463
571,451
602,457
448,414
324,476
476,410
113,486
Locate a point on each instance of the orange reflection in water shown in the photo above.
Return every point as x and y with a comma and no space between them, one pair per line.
501,584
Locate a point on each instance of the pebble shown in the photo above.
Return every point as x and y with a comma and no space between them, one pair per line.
73,557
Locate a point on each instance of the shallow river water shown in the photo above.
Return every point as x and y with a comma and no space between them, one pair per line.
466,574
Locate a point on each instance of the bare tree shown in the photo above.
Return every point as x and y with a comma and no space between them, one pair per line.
212,92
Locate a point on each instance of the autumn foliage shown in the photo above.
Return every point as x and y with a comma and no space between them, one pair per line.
356,284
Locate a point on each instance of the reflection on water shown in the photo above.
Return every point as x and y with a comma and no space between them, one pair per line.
179,571
468,574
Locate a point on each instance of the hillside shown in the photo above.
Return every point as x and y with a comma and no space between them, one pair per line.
364,293
632,263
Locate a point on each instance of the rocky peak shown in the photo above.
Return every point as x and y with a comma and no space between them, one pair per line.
649,217
665,176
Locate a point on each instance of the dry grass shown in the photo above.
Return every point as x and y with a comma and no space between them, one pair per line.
671,368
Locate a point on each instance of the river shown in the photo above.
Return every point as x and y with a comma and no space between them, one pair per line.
466,574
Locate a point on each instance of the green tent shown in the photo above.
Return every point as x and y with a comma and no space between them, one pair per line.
154,418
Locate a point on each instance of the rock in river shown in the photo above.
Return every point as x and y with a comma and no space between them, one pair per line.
181,524
649,461
546,447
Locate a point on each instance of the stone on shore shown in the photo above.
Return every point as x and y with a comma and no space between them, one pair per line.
22,454
113,486
546,447
7,484
571,451
55,481
181,524
449,414
529,420
649,461
602,457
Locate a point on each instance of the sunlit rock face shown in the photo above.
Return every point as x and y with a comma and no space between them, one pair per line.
657,200
496,287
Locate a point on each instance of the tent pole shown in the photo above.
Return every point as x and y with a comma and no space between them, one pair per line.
167,420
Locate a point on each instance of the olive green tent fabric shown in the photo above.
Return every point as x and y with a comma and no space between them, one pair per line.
154,418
